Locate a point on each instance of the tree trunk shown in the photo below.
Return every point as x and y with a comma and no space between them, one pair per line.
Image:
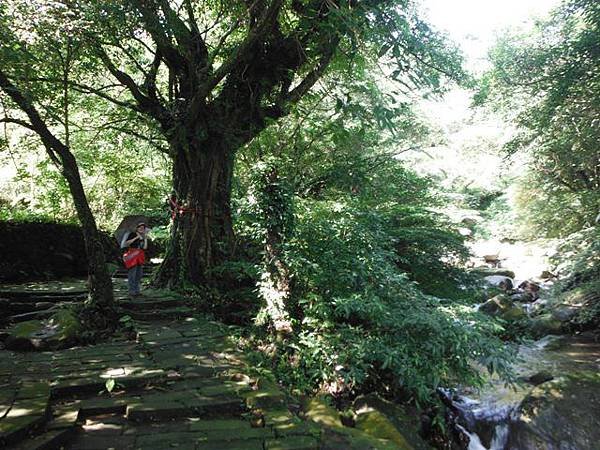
100,284
275,283
202,233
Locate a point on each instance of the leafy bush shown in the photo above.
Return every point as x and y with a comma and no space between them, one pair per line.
578,260
361,324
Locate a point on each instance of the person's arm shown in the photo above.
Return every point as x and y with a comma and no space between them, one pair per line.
145,242
128,242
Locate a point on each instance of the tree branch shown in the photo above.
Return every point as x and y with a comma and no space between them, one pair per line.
313,76
145,103
20,122
173,58
242,52
36,124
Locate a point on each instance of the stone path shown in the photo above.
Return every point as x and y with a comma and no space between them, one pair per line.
180,384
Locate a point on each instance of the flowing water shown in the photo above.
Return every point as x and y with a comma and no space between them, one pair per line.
488,416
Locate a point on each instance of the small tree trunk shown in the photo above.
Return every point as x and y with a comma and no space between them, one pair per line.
100,284
202,233
275,285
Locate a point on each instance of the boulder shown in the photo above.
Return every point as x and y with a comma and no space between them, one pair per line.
59,331
522,297
503,307
490,271
499,281
539,378
545,324
376,424
335,436
405,423
531,288
559,414
564,313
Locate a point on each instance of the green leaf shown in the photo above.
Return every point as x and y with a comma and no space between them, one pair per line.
110,384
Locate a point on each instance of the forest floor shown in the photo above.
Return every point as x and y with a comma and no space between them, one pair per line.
181,383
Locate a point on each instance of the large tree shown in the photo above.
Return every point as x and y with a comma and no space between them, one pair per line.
212,75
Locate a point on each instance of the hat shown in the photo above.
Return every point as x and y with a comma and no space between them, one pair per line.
140,224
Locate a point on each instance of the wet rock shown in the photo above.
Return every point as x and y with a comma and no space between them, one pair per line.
530,288
559,414
546,275
564,313
499,281
489,271
503,307
522,297
539,378
545,324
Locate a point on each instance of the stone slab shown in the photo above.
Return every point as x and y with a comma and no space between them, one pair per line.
209,425
13,429
293,443
50,440
255,444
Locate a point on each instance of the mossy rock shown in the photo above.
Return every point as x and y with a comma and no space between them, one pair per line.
584,294
546,324
268,395
565,411
408,424
58,331
339,437
503,307
318,410
376,424
490,271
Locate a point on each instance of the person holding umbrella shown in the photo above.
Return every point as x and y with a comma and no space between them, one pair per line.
135,242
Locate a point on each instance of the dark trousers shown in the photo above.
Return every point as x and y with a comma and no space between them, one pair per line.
134,279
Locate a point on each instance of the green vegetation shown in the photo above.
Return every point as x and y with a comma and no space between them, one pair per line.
281,139
548,81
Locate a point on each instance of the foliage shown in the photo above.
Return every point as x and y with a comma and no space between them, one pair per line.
548,81
361,323
578,263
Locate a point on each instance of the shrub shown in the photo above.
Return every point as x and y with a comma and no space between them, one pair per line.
362,324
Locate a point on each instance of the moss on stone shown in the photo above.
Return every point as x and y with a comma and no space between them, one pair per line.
26,329
377,425
546,324
319,411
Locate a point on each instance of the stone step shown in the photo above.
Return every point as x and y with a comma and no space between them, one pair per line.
43,296
13,307
49,440
35,315
179,312
26,413
145,303
161,407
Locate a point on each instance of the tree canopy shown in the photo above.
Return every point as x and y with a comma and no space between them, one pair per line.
549,80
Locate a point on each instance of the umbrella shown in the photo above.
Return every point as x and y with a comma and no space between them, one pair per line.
128,225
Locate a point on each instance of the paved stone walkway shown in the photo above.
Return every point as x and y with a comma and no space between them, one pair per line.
181,384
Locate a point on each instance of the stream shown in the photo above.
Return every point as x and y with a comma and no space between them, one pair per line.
554,406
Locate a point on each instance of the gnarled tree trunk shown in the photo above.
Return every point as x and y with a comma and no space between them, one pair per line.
202,233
